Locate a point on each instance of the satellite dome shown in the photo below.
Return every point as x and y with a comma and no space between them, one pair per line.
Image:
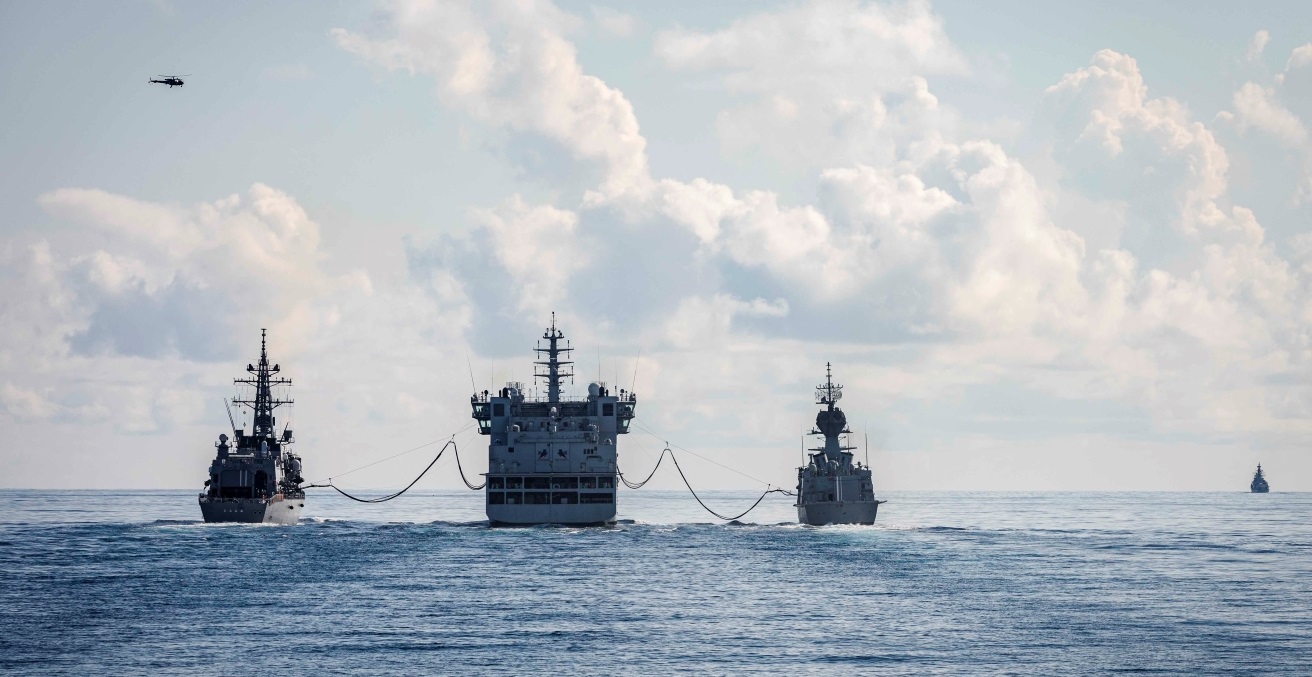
594,389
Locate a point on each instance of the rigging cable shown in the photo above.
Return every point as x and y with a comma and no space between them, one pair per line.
450,443
638,485
381,499
408,451
675,446
462,470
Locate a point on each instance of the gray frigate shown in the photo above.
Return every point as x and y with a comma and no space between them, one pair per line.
552,459
1259,485
830,488
256,478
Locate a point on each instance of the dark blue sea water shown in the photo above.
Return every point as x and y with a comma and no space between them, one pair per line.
964,583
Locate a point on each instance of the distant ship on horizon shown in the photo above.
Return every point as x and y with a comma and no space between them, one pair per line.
1259,485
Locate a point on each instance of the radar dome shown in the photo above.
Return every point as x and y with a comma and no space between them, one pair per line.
594,389
831,423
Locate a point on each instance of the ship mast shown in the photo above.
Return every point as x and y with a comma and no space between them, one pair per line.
264,402
827,393
831,422
557,370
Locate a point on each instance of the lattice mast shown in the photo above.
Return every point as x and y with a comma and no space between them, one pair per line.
556,370
264,402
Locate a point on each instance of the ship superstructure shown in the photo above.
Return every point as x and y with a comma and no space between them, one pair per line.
552,459
1259,485
256,477
831,489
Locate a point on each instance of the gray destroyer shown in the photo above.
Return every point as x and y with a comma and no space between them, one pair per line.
1259,484
256,478
830,488
552,460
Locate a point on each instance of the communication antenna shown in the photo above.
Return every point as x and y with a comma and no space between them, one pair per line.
866,433
635,370
471,371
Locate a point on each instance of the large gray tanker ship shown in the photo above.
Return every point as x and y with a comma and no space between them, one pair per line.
256,478
552,460
831,489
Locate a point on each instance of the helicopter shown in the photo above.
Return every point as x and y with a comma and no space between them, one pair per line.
170,80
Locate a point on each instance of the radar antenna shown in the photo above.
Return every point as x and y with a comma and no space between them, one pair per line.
828,393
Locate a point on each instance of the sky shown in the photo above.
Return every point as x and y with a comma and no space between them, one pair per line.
1047,246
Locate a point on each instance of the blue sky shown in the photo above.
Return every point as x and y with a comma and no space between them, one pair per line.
1062,247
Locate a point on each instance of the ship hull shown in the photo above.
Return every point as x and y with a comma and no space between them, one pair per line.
838,512
276,510
562,514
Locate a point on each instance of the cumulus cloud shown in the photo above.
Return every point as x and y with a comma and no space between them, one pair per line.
510,65
1278,111
152,295
1258,44
930,263
1256,108
1170,163
826,82
706,322
1301,57
536,245
962,231
1223,297
186,280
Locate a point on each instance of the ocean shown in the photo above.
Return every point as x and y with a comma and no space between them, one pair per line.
955,583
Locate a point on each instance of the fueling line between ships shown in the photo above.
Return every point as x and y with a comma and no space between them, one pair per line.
383,499
407,451
462,471
769,488
451,442
649,431
639,485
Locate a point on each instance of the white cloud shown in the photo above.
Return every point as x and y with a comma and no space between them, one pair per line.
827,82
614,22
1258,44
962,228
1222,298
537,246
829,46
1256,107
509,65
189,278
705,323
24,404
1106,264
1300,57
1172,161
